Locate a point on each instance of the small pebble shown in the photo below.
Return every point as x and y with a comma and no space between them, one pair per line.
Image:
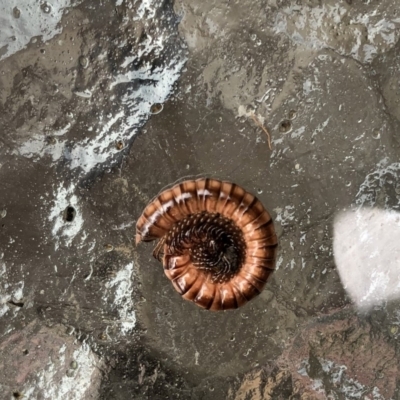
70,373
70,330
16,12
83,62
108,247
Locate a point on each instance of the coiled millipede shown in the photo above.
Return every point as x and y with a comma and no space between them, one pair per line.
217,243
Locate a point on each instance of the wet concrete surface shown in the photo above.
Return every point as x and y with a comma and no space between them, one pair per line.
82,154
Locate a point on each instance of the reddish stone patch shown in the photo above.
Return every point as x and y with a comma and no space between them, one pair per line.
345,356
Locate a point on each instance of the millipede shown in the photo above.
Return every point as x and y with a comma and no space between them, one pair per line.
216,241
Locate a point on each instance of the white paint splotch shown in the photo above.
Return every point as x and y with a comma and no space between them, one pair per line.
361,33
23,20
367,255
37,147
3,287
285,215
119,293
74,384
379,187
366,238
98,144
64,231
9,292
339,382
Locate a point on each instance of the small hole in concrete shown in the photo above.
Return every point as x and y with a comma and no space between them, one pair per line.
25,352
19,304
156,108
120,145
16,12
18,395
376,134
69,214
83,61
108,247
285,126
46,8
50,140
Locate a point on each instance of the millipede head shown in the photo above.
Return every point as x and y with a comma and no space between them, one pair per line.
217,242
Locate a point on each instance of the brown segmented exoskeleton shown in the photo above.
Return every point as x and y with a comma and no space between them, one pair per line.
217,242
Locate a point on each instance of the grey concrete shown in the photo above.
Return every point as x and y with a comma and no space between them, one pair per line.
77,130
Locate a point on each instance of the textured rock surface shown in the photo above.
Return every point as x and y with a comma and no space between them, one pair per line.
335,358
81,154
47,363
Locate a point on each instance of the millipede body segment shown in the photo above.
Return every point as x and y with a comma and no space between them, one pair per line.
217,242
